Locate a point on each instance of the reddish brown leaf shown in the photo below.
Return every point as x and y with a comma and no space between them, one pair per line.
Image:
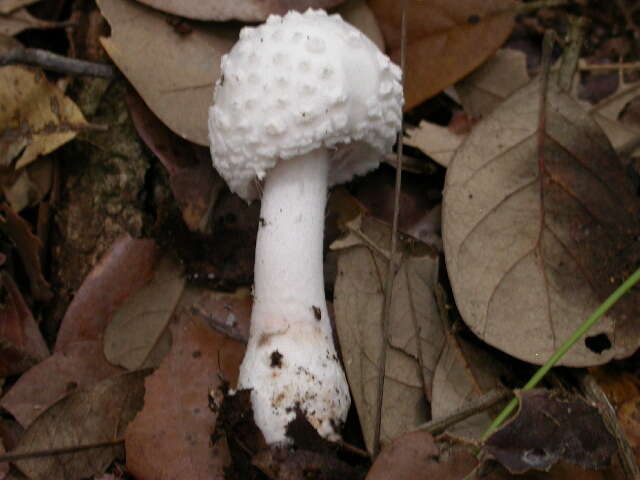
21,343
124,269
80,365
445,40
194,182
171,437
415,455
28,246
245,10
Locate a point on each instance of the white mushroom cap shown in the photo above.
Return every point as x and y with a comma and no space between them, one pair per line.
298,83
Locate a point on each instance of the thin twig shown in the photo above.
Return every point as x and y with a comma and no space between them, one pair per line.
608,66
56,63
475,406
391,269
12,457
347,447
571,54
625,453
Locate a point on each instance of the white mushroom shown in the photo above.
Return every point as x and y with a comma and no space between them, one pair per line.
304,101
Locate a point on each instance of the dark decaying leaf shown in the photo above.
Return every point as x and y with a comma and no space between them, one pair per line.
287,464
171,437
21,343
245,10
194,182
28,246
548,428
445,40
97,415
540,225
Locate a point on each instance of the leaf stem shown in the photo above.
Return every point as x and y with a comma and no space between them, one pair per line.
564,348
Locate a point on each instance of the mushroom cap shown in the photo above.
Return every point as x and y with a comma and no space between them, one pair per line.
297,83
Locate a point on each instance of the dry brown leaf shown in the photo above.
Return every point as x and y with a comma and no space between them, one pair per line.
465,372
124,269
536,238
36,116
358,305
440,143
445,40
173,73
244,10
8,6
29,186
99,414
18,20
490,84
80,366
136,329
171,437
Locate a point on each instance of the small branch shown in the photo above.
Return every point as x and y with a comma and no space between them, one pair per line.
13,457
475,406
56,63
571,54
609,66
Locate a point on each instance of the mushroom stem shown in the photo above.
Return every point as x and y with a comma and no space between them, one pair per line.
291,362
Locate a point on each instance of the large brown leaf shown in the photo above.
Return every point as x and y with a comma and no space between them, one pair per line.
245,10
172,72
415,332
97,415
540,226
171,437
445,40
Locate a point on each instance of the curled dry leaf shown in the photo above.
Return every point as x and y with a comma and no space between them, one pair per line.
133,337
540,225
96,415
415,333
36,116
445,40
171,437
548,428
28,186
124,269
173,73
244,10
21,343
194,182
